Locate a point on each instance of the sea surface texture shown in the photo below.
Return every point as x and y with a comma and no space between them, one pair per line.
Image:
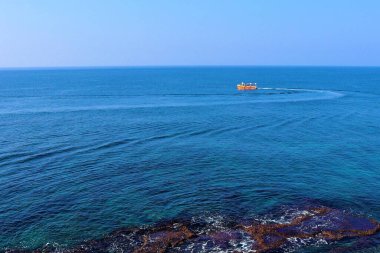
87,155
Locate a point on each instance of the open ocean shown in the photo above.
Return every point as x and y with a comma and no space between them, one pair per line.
85,152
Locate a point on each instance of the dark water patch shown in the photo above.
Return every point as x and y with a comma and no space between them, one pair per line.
110,145
200,132
156,138
170,137
7,157
223,131
284,123
27,157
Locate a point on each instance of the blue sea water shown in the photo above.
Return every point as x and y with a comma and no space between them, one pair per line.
86,151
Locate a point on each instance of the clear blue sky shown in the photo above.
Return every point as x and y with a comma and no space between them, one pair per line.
35,33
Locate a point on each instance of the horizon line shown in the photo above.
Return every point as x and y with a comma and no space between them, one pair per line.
177,66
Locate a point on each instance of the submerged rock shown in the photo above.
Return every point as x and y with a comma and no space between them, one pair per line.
320,224
285,232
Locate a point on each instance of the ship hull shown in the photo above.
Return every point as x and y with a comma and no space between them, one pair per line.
246,87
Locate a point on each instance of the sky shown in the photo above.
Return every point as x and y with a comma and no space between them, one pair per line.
46,33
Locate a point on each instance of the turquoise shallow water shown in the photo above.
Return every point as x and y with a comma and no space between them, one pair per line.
86,151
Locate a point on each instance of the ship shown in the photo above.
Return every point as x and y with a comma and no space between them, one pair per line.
247,86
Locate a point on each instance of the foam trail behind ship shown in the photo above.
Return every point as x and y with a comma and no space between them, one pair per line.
333,93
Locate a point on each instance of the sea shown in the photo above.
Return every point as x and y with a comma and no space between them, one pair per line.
87,151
